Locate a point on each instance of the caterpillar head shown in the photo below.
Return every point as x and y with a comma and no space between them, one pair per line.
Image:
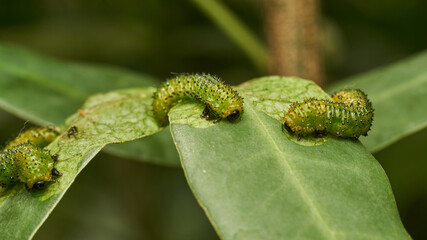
234,115
35,166
233,111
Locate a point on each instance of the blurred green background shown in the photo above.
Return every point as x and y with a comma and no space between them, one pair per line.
117,198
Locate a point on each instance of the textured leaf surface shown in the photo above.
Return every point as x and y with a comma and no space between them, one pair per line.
46,91
254,182
113,117
274,94
399,96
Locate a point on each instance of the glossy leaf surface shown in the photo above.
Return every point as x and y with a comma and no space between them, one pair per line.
255,182
399,95
46,91
113,117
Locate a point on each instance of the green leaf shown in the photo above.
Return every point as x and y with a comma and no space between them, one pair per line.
46,91
255,182
274,94
118,116
399,96
158,149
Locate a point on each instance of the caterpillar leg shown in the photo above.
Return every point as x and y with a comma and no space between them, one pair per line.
234,115
56,173
285,126
320,134
208,114
216,121
38,185
205,113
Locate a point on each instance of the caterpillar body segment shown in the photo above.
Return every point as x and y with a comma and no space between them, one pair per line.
221,101
25,161
40,137
348,116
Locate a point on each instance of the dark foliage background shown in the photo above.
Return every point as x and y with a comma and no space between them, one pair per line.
119,198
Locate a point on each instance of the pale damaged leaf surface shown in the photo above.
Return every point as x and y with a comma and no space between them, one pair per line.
254,182
118,116
399,96
189,113
274,94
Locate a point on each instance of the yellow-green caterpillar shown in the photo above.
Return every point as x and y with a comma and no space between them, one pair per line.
349,115
220,99
25,161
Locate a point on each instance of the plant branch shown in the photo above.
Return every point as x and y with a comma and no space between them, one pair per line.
294,38
236,30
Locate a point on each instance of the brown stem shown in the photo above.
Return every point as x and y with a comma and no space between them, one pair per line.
294,38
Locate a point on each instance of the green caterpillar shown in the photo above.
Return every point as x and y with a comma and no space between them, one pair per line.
220,99
24,160
349,115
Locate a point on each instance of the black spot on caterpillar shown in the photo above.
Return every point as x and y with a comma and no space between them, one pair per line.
24,160
220,99
349,115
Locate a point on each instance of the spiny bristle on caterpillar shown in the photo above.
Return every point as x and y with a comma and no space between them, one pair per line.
24,160
221,101
349,115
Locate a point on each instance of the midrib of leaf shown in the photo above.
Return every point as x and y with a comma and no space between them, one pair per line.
295,177
52,85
